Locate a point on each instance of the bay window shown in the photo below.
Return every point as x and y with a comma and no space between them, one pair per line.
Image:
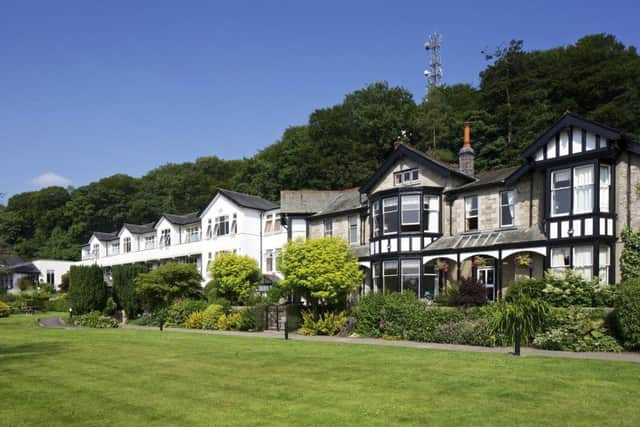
605,187
471,213
390,276
410,271
431,213
560,192
390,215
410,213
583,261
507,208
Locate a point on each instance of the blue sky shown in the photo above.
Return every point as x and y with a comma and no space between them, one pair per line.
89,89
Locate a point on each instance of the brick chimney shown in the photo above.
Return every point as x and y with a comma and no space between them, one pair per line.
466,155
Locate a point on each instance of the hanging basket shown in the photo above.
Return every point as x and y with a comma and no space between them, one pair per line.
524,261
442,266
478,262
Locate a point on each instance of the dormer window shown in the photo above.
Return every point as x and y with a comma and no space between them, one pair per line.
405,177
572,187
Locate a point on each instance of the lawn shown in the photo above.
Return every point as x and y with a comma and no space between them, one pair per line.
128,377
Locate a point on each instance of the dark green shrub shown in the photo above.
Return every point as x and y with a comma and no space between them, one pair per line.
60,304
145,320
178,312
567,289
109,307
472,293
527,288
574,329
5,310
247,319
628,314
64,283
24,283
260,314
329,323
94,319
30,299
124,294
630,256
450,296
87,290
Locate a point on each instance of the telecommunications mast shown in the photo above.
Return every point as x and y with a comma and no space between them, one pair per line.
434,72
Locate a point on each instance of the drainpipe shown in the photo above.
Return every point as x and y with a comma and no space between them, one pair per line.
628,190
261,231
531,200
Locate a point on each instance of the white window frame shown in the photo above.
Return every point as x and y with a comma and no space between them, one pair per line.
406,177
268,224
588,268
384,276
386,203
416,209
507,205
328,227
277,223
604,263
352,221
576,188
126,245
404,264
269,260
165,238
209,229
115,248
468,213
221,225
555,189
193,234
376,219
558,267
433,209
149,242
605,188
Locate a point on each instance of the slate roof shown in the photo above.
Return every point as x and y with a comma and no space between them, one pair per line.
486,239
105,237
140,228
496,176
24,268
306,201
347,200
10,260
248,200
189,218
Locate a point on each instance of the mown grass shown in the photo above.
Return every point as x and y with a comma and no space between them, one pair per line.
145,378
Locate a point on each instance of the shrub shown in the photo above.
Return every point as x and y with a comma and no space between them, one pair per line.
145,320
24,283
566,289
628,314
229,322
467,332
124,291
329,323
87,290
260,314
472,293
94,319
630,256
179,310
5,310
450,296
64,282
574,329
158,288
211,315
109,307
527,314
61,304
235,277
195,320
247,319
525,288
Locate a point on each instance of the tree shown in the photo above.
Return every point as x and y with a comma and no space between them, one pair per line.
158,288
124,289
321,270
235,277
87,290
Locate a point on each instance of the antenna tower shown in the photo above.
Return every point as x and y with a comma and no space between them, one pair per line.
433,73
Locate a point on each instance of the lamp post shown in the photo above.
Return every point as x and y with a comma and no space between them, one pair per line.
70,313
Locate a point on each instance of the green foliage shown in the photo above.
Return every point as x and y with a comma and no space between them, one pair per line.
229,322
234,277
260,317
180,309
576,330
328,323
211,315
529,315
320,270
24,283
628,314
450,296
5,310
468,332
109,307
570,288
145,320
630,257
64,282
59,304
525,288
87,290
247,320
195,320
471,293
30,299
94,319
158,288
124,290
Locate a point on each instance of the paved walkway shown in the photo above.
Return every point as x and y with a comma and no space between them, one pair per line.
526,351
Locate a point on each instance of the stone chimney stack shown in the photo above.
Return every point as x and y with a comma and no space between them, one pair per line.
466,155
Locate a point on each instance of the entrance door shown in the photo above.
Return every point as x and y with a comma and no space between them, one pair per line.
487,276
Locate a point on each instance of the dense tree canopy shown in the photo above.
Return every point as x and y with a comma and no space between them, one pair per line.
520,94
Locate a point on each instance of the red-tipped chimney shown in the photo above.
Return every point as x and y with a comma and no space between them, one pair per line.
466,155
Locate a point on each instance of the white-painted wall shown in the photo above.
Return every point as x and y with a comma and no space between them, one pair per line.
58,267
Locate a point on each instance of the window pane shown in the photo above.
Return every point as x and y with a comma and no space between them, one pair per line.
560,257
431,213
583,189
561,201
605,182
390,215
561,178
390,272
583,261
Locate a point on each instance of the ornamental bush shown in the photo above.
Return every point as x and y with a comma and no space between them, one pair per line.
329,323
180,309
5,310
630,256
247,319
195,320
211,315
87,290
525,288
60,304
94,319
229,322
472,293
234,277
627,314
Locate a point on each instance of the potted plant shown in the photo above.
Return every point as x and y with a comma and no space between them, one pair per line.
524,260
478,262
442,266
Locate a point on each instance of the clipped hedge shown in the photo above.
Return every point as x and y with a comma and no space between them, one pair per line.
87,290
628,314
124,288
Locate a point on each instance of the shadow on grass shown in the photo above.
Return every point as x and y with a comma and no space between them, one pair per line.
26,352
